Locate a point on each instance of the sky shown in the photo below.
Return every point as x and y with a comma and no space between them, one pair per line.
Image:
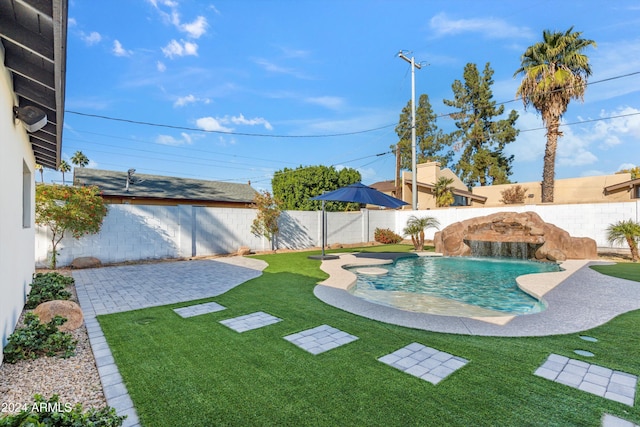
236,90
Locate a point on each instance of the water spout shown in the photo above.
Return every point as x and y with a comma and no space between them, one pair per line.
520,250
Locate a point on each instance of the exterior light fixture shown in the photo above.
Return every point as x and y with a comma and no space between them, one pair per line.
31,117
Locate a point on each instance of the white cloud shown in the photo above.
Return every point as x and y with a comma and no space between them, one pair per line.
331,102
626,166
189,99
624,125
71,22
211,124
241,120
218,123
193,29
185,139
196,28
488,27
184,100
161,67
118,50
180,48
91,38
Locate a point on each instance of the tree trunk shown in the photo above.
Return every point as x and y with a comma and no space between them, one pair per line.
634,249
548,170
421,240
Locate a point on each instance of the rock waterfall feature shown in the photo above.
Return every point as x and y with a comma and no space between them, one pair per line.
511,234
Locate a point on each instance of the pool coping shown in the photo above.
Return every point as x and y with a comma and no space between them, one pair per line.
577,299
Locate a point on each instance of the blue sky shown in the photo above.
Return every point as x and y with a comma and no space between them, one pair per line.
275,79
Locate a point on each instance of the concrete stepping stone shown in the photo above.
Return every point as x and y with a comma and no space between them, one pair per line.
424,362
594,379
250,321
198,309
611,421
320,339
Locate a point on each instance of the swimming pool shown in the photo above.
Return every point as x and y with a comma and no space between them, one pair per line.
488,283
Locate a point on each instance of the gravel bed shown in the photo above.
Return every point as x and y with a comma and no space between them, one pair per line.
74,380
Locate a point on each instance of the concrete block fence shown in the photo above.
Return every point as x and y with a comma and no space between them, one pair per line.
139,232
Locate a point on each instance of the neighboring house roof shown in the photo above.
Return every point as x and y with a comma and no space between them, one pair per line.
384,186
34,36
113,184
455,191
623,185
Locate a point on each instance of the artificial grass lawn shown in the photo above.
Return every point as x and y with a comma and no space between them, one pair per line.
622,270
197,372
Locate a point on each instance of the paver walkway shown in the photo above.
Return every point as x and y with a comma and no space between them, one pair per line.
115,289
603,382
320,339
424,362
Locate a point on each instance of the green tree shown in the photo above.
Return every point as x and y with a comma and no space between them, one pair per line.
432,145
443,192
480,136
64,168
625,232
555,71
62,209
294,188
79,159
634,171
415,228
266,222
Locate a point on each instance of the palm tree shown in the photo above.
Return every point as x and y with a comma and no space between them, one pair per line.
625,231
41,169
79,159
415,228
442,191
64,167
554,72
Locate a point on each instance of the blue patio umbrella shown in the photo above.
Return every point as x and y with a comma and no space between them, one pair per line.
356,193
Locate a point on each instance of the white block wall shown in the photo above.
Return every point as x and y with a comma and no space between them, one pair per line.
135,232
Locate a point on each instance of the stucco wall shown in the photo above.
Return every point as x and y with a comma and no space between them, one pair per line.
570,190
16,240
136,232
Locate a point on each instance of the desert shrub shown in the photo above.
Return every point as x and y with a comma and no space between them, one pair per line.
53,413
513,195
48,287
386,236
37,339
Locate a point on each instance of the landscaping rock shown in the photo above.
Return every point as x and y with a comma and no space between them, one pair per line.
544,241
86,262
244,250
67,309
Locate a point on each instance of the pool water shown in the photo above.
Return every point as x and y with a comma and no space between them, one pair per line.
489,283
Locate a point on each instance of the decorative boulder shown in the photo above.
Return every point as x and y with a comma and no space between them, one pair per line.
86,262
244,250
67,309
523,235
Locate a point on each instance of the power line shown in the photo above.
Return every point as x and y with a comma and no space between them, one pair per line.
264,135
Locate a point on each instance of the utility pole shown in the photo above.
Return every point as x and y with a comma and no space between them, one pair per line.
414,178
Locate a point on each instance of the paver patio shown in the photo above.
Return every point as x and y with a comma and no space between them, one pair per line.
115,289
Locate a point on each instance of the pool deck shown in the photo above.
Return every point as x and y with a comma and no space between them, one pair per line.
577,299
